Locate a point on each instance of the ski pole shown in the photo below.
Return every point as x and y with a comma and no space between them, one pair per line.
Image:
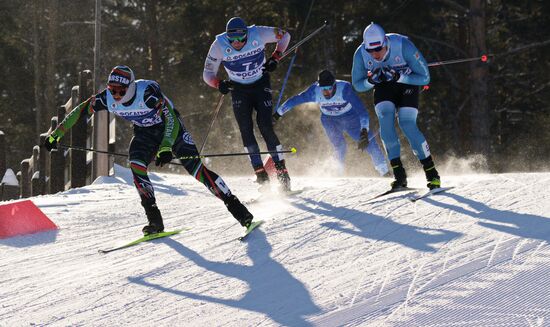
91,150
292,150
483,58
304,40
200,156
216,111
287,75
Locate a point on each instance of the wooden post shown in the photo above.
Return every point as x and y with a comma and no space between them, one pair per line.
43,164
2,155
36,188
56,182
25,183
79,134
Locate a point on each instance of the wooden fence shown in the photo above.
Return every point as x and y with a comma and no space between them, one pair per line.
51,172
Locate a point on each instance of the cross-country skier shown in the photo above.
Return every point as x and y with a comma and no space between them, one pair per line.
241,50
396,69
159,133
341,111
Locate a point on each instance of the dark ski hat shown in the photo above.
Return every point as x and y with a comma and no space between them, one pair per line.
121,75
236,27
326,78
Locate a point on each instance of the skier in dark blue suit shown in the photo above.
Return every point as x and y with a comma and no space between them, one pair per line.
341,111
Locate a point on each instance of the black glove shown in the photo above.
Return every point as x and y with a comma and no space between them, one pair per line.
164,156
225,86
374,77
271,64
363,139
275,117
390,75
50,143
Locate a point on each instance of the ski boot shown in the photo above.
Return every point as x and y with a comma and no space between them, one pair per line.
432,176
398,173
262,178
282,176
239,211
153,217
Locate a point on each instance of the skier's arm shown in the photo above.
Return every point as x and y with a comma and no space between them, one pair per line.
357,105
359,73
212,65
154,98
419,72
275,34
305,96
88,107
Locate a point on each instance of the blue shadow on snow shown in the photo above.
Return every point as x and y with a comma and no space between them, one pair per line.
272,291
377,227
523,225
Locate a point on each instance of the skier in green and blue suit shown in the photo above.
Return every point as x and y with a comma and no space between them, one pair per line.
159,134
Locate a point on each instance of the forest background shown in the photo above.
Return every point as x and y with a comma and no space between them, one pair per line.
495,114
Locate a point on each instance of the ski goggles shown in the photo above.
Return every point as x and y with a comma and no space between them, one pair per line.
326,88
377,49
117,89
237,38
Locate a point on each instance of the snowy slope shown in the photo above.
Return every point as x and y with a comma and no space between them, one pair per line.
476,256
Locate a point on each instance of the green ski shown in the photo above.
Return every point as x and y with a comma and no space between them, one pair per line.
143,239
250,229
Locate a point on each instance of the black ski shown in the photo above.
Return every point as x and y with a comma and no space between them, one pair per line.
430,193
394,190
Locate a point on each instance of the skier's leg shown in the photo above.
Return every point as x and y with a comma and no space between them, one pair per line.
386,114
336,138
142,149
407,123
408,112
184,147
352,126
377,156
242,108
263,104
386,96
385,111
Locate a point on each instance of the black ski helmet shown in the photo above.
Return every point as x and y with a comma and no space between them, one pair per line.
326,78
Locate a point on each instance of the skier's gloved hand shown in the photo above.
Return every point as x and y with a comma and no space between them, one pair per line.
225,86
363,139
164,156
390,75
275,117
374,77
50,142
271,64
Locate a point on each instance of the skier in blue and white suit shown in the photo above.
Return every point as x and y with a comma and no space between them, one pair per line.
393,66
341,111
241,50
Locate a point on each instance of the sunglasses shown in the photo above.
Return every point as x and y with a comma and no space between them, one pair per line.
327,88
115,89
377,49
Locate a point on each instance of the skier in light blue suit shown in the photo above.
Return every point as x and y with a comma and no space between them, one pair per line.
393,66
341,111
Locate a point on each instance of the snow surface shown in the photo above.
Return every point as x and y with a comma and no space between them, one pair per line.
475,256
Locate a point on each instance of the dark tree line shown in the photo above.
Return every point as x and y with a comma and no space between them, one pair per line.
499,109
